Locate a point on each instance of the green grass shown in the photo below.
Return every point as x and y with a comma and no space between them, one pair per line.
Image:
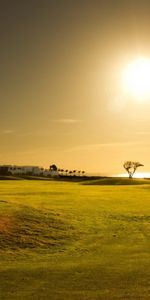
67,241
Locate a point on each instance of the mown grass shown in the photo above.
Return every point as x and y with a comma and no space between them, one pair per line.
62,240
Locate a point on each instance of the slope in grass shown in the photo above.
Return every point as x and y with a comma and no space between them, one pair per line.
116,181
25,227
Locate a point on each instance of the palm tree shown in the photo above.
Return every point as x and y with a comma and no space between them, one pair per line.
74,171
83,172
62,170
66,172
79,172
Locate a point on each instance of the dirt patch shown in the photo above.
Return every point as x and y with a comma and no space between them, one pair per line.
6,224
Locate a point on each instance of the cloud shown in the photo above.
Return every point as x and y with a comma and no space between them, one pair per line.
102,145
6,131
66,121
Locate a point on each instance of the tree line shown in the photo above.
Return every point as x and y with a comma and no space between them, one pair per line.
66,172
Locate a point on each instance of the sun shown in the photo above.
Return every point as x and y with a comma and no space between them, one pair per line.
136,79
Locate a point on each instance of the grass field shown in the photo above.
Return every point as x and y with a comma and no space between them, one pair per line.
68,241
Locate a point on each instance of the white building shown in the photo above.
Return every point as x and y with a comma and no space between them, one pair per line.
31,170
26,170
52,173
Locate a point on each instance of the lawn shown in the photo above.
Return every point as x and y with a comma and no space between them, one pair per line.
68,241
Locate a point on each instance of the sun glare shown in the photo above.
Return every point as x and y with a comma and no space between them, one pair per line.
136,79
136,175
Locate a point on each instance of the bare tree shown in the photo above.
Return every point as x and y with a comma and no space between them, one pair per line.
131,166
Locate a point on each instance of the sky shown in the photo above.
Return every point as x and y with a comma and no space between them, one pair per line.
60,86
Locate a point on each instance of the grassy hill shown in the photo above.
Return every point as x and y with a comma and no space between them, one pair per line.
67,241
117,181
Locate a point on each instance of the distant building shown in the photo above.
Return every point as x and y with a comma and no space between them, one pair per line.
27,170
51,173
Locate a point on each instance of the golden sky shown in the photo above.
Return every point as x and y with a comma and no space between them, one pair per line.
61,92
